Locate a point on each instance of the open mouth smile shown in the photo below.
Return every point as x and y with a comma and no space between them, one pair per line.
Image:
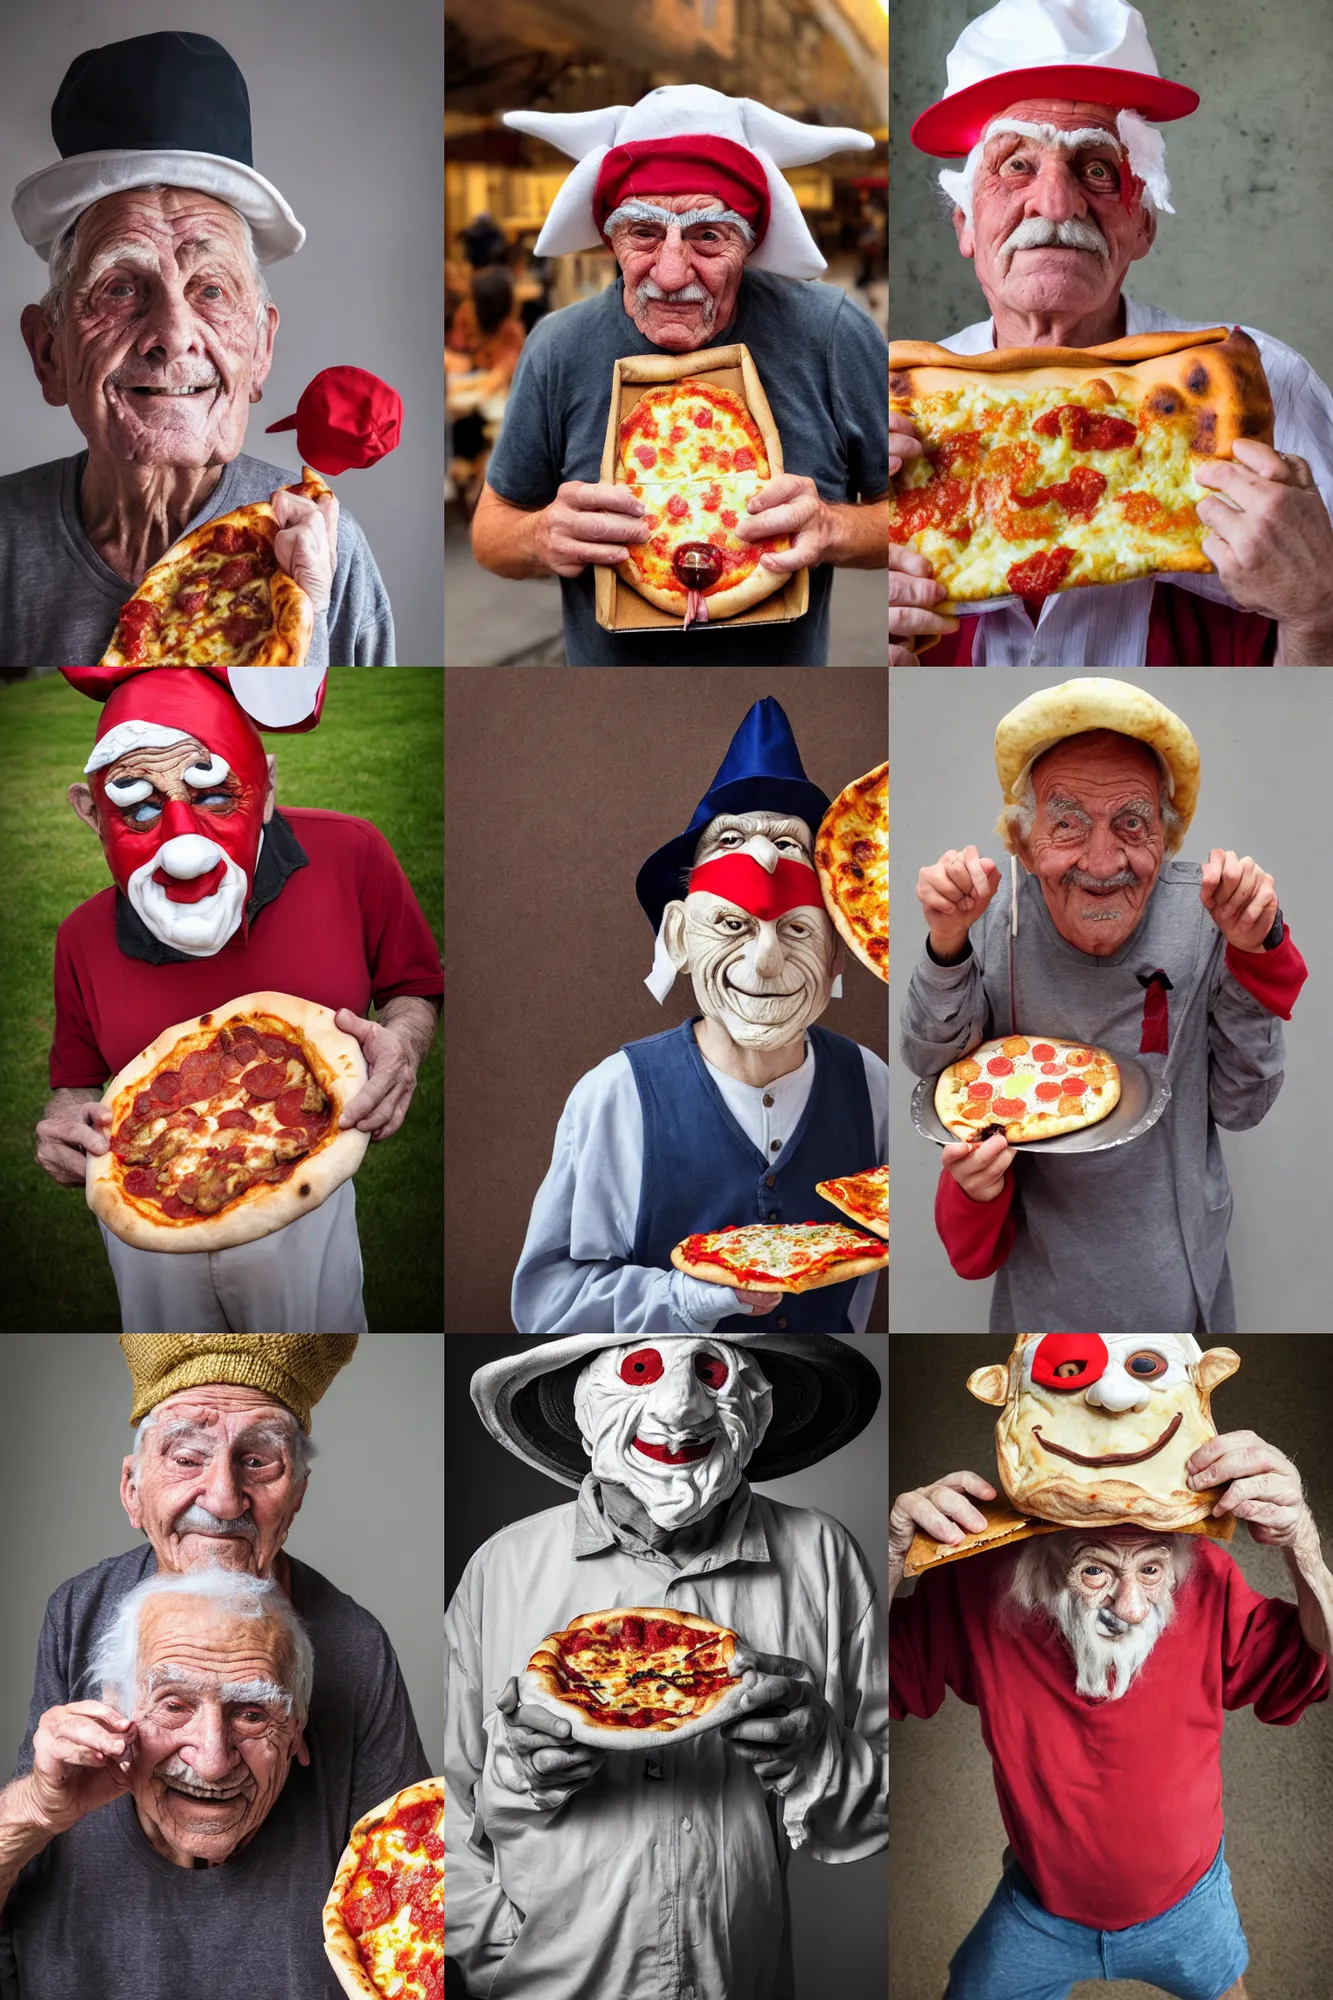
1110,1457
664,1455
149,389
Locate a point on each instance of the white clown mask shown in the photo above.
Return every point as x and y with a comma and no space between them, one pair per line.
674,1421
1097,1428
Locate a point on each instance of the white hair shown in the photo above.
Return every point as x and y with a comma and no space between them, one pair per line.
1018,817
1143,145
1104,1668
280,1425
114,1664
64,258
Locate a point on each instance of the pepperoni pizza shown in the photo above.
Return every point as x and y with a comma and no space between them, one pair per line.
384,1916
864,1197
635,1676
852,856
1027,1089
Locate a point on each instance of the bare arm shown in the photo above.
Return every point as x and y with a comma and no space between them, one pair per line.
587,522
860,538
1314,1584
505,538
67,1131
22,1835
394,1047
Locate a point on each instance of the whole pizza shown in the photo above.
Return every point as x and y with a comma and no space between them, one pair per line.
635,1677
780,1256
694,455
384,1915
1027,1089
1050,467
852,856
226,1127
218,598
863,1197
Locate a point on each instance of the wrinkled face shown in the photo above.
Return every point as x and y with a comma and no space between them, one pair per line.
180,829
753,932
162,348
1112,1594
1098,839
216,1731
674,1421
214,1485
682,262
1097,1428
1055,225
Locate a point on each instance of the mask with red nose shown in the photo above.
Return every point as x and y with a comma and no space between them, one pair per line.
185,863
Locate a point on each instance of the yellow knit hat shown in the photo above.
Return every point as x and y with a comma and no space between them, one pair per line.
295,1367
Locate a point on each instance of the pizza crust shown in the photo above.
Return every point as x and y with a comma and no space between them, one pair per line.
753,589
539,1685
339,1068
850,808
829,1191
340,1946
1033,1124
851,1267
1094,701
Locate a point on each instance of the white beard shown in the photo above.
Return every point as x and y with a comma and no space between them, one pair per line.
198,929
1104,1666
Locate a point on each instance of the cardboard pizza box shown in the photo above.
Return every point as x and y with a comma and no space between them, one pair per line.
620,608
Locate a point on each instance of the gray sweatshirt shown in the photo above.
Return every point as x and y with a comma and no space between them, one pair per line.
1133,1239
59,602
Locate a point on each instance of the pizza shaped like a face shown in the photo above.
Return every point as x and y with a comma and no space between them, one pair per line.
1028,1087
852,856
384,1916
636,1676
1096,1428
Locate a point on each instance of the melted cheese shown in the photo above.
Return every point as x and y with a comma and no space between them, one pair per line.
383,1948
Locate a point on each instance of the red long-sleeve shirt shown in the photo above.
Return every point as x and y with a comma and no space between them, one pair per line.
1113,1808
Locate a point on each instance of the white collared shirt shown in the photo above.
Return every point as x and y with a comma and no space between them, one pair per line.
1106,625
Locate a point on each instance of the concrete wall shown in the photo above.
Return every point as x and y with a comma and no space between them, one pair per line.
945,1836
1249,172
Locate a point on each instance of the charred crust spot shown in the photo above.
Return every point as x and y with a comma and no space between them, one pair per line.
205,1020
1197,379
988,1132
1204,439
900,382
304,1188
1252,424
1163,403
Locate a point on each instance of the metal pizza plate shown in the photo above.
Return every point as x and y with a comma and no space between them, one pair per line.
1143,1099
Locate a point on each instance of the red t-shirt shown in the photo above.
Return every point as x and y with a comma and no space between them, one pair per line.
1113,1808
342,931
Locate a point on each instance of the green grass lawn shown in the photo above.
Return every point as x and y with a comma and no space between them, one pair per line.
378,753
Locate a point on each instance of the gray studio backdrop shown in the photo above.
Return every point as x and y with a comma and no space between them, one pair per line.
371,1522
1244,177
1263,740
345,101
838,1910
945,1834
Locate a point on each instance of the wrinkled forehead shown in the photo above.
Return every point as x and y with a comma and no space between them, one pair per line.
1074,1361
774,826
152,224
202,1638
1061,122
1094,763
1119,1545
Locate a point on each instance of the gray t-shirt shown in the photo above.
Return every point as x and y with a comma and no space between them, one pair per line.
824,365
101,1913
59,602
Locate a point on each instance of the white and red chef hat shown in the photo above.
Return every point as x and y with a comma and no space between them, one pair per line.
681,139
287,699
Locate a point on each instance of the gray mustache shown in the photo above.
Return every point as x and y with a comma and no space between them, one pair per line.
1035,232
1126,879
200,1521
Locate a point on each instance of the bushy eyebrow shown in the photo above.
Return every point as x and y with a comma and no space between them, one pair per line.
167,1676
206,1439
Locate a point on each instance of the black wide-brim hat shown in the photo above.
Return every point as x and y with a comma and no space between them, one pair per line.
824,1394
169,109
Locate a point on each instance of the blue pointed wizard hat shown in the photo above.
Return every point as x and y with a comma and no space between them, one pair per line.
761,772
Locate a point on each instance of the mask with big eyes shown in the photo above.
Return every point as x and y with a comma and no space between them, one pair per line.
673,1420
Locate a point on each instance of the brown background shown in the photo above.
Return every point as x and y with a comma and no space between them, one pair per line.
559,783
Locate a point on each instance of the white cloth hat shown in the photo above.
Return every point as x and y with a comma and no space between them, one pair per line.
673,110
47,202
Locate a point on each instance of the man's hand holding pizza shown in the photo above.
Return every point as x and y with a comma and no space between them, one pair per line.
589,522
783,1717
1271,543
76,1124
912,586
979,1169
1239,897
821,531
536,1755
943,1511
394,1047
306,544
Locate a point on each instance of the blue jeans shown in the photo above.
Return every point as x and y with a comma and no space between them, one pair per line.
1019,1951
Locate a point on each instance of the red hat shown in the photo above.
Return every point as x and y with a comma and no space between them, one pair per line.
346,418
684,165
286,699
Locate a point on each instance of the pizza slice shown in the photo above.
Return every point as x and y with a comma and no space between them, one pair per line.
1045,468
383,1919
636,1677
780,1256
1027,1088
852,856
863,1197
225,1128
218,598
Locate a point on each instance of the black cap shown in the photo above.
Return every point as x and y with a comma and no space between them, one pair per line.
167,91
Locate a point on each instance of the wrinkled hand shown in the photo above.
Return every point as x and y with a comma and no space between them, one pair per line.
942,1510
82,1755
979,1169
589,522
540,1756
912,592
380,1105
1270,538
782,1717
1264,1490
65,1141
953,892
789,505
306,544
1239,897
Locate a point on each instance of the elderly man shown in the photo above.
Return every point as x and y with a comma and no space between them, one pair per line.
1190,968
734,1117
576,1873
218,894
1101,1660
156,333
218,1473
1062,191
686,191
